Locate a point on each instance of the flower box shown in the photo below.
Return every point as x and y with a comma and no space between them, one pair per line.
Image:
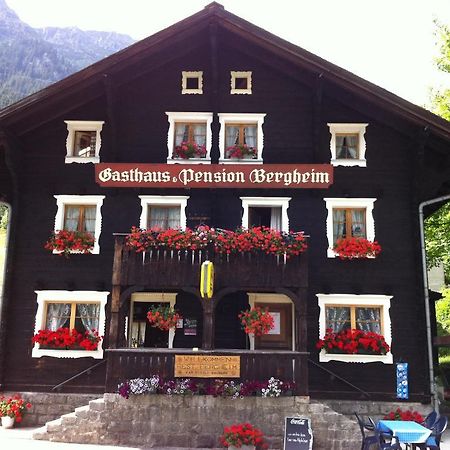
241,436
355,248
241,152
189,150
66,242
66,339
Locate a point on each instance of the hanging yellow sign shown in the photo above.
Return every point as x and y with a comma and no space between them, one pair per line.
207,279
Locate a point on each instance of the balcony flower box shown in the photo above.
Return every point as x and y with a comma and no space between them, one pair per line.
354,248
352,342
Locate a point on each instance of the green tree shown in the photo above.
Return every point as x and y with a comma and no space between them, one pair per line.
440,99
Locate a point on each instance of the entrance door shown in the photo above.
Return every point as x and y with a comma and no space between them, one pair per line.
280,337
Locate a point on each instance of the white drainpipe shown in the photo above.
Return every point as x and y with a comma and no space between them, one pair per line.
433,391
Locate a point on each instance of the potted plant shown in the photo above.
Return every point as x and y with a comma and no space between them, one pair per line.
256,321
188,150
163,317
66,242
356,247
241,152
352,341
12,409
409,414
242,435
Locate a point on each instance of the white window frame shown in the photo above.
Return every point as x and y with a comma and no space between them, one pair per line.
350,128
91,200
43,297
185,74
383,301
188,117
366,203
151,297
83,125
271,298
268,202
155,200
241,74
243,118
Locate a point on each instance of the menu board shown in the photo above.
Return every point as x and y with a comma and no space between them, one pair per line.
297,434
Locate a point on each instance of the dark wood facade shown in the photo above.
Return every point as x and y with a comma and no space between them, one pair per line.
300,94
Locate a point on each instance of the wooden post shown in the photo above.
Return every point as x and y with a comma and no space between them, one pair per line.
208,323
115,295
301,373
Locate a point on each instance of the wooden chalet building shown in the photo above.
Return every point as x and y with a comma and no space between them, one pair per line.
331,155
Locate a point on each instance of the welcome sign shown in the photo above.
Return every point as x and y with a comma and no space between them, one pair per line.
278,176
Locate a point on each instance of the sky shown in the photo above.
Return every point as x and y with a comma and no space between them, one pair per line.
388,42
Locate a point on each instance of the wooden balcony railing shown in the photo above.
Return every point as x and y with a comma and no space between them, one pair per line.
131,363
164,269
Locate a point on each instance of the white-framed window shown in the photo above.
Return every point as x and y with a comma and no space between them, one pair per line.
80,213
140,333
269,212
364,312
161,212
349,217
80,310
191,82
189,138
83,141
283,312
347,144
241,82
241,138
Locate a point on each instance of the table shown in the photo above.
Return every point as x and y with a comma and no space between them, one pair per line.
408,432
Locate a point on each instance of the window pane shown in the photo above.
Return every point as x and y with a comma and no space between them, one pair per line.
84,145
231,135
199,133
347,146
250,135
163,217
338,318
87,317
339,224
58,316
71,217
89,219
368,319
358,223
181,133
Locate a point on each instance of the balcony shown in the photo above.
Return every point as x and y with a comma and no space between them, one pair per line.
171,269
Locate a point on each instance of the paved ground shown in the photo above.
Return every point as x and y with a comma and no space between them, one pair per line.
20,439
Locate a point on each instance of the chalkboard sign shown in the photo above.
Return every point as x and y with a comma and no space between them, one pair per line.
297,434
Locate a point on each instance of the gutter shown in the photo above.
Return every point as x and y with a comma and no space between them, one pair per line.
433,391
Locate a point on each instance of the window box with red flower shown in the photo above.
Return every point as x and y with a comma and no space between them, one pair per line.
189,150
356,248
64,242
241,152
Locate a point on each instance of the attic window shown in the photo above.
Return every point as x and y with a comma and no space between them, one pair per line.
241,82
191,82
347,144
83,141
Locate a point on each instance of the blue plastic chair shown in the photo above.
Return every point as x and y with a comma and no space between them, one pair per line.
431,420
434,440
386,441
367,440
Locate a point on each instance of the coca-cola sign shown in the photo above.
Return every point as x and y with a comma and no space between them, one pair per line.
282,176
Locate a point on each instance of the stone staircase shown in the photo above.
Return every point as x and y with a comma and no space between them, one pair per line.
195,421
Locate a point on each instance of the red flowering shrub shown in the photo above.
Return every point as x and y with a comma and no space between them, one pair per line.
256,321
240,151
13,407
187,150
398,414
64,338
242,434
163,317
353,247
66,242
353,341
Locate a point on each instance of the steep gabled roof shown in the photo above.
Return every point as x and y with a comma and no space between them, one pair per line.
215,13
